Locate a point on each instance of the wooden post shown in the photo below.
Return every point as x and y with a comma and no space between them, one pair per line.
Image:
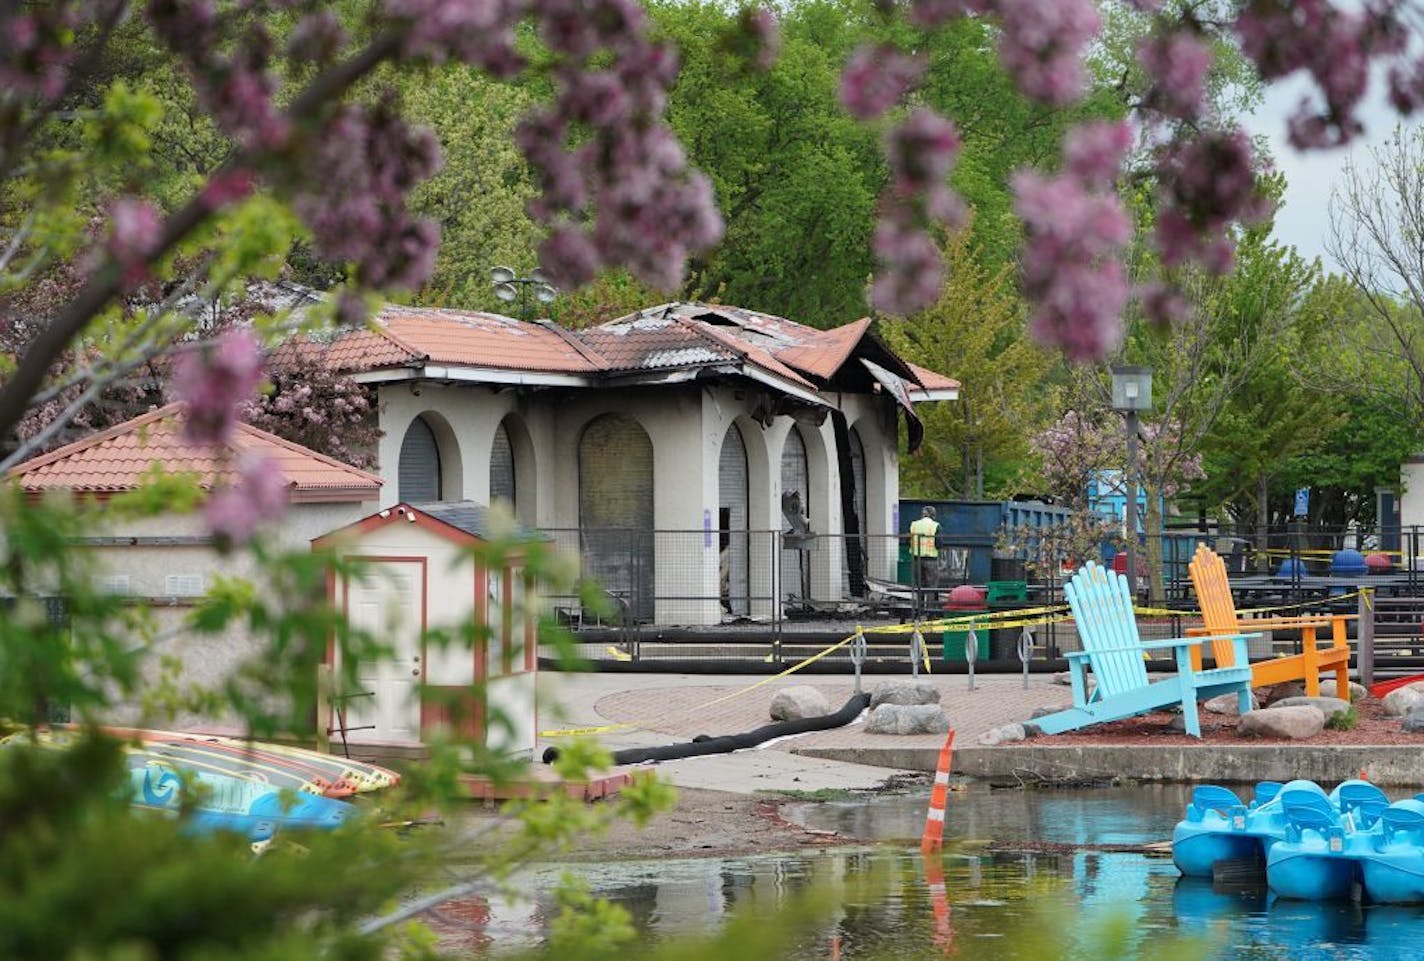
323,708
1365,638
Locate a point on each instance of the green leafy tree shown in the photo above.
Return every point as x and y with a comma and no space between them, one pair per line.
977,445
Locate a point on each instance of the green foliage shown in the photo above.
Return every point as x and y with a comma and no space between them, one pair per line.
978,445
1345,720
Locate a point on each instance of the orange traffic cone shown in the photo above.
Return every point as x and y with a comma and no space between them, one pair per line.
939,794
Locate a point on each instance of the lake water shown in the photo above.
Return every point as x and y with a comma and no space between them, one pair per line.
884,901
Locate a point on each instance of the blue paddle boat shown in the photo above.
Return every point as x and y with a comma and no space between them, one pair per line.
1318,859
1219,826
1393,870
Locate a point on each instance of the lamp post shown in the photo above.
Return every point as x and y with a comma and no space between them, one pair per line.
509,286
1131,392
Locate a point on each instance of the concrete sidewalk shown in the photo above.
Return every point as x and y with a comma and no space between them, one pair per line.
641,710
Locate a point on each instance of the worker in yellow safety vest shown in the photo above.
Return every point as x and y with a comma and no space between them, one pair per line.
924,553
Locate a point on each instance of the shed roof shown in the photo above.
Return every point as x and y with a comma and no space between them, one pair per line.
462,522
120,458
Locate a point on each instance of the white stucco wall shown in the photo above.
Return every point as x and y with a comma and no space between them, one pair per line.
1411,496
167,575
686,424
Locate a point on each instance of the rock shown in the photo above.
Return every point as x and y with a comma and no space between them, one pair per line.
1270,695
903,692
1039,712
1414,721
1226,704
907,719
1003,734
1329,706
799,701
1402,701
1295,723
1357,691
1066,679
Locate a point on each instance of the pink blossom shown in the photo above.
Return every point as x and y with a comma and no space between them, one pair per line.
568,256
213,380
1043,45
135,231
910,271
1093,152
1074,232
259,495
921,150
763,32
1177,63
874,80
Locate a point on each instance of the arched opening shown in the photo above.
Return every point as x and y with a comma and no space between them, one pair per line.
616,510
732,520
796,520
502,485
420,477
857,542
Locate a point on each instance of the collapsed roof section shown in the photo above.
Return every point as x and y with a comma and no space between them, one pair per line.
671,343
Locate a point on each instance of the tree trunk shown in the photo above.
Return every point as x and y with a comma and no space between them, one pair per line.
1154,529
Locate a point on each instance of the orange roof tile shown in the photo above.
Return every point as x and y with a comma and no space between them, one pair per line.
929,380
117,459
407,335
826,350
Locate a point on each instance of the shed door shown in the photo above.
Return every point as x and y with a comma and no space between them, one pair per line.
419,476
616,510
732,524
387,600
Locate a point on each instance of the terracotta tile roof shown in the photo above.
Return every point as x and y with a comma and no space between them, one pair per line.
658,341
117,459
929,380
825,351
403,336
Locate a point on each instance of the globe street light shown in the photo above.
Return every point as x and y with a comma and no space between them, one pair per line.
509,287
1131,392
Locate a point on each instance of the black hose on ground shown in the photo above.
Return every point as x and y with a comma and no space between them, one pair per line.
727,743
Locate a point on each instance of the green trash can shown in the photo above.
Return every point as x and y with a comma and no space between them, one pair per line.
904,572
961,600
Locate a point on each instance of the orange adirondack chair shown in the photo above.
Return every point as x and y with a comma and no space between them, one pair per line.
1219,614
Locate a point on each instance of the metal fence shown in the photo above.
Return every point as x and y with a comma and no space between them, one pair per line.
757,600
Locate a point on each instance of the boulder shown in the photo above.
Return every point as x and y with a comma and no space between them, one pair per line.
797,702
1329,706
1295,723
1414,721
907,719
1003,734
903,692
1227,704
1402,701
1357,690
1039,712
1066,679
1277,692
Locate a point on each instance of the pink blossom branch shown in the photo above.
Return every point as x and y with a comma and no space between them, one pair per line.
108,281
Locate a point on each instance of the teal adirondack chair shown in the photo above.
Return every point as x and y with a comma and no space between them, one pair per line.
1102,608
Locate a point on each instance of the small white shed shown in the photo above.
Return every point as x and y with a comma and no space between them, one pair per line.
419,575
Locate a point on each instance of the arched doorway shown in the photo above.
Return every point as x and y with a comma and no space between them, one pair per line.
857,542
502,485
616,509
732,519
419,476
796,519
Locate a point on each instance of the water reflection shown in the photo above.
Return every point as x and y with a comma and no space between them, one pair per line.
965,902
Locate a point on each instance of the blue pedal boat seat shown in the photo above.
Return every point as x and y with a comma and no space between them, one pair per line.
1393,871
1318,859
1218,826
1362,800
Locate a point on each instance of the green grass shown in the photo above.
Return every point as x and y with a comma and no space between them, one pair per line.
1343,720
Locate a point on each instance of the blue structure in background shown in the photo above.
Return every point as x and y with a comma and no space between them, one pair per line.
974,526
1106,496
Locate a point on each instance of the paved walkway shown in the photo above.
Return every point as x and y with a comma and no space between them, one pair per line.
652,709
